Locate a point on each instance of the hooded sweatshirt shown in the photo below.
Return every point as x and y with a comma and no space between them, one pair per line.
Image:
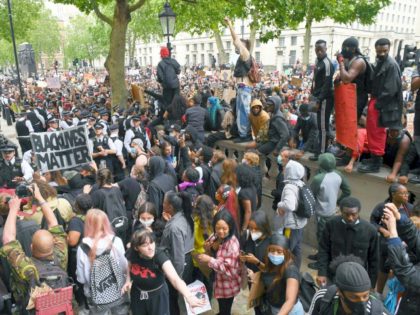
83,262
160,183
293,175
260,122
326,186
278,130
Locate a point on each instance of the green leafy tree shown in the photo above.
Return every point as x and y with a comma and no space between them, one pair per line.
42,43
24,13
87,39
118,21
6,54
342,11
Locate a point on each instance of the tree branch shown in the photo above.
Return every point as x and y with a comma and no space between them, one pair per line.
136,6
100,15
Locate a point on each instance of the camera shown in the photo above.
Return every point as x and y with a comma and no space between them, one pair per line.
23,191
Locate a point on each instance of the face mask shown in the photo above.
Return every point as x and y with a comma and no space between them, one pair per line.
276,259
244,161
133,150
357,308
147,223
381,58
172,134
346,53
350,224
306,117
279,160
256,235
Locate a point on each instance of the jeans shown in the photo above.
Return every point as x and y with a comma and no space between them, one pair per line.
296,310
295,241
243,107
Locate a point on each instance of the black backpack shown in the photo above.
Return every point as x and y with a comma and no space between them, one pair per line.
116,211
369,75
59,218
51,273
306,204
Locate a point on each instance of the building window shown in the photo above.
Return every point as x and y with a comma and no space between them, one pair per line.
151,60
202,46
194,60
195,47
257,56
202,59
257,43
293,41
210,46
228,45
187,59
150,50
242,29
187,47
282,42
292,57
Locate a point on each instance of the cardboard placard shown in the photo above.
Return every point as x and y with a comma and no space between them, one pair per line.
53,83
62,149
410,123
296,82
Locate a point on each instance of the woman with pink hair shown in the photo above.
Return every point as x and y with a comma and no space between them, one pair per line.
98,238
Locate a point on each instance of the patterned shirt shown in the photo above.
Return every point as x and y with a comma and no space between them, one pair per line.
23,270
228,270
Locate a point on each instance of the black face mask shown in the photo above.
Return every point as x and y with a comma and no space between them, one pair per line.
381,58
346,53
357,308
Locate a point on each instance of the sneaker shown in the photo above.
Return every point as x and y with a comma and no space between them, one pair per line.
314,265
313,257
343,161
314,157
241,140
415,179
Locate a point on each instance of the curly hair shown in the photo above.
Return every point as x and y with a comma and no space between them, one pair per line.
203,209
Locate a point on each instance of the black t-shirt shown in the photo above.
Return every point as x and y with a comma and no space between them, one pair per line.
248,193
130,189
147,274
276,294
76,224
258,249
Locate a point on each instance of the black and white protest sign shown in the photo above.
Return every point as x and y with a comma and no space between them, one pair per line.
62,149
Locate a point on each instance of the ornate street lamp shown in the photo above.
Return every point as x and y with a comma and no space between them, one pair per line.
167,21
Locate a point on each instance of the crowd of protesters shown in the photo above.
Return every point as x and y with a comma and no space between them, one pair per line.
160,206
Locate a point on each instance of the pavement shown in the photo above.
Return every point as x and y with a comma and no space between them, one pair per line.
240,303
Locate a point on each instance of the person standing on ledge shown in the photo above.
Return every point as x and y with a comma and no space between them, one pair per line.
243,84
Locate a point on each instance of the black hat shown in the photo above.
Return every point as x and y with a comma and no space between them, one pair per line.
351,42
113,127
87,167
353,277
7,147
279,240
98,126
84,114
304,108
206,153
136,117
91,117
175,127
75,110
66,113
38,100
104,112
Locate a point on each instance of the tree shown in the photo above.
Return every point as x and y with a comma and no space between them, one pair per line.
86,39
42,44
344,12
206,16
6,54
24,12
118,21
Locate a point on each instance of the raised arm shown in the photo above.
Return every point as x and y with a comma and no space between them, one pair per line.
239,45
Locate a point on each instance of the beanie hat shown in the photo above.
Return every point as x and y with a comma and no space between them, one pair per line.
206,153
351,42
279,240
164,52
353,277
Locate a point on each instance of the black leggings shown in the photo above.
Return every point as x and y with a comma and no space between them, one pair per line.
225,306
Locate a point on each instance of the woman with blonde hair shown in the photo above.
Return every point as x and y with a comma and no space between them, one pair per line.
99,237
229,173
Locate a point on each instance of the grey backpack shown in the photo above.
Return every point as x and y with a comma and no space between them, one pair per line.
106,278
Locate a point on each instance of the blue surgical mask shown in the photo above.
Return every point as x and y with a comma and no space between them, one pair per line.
276,259
133,150
279,160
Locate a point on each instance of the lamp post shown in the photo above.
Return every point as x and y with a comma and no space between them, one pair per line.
12,32
167,21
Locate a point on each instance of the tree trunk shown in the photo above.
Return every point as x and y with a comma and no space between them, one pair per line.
223,58
114,63
252,36
307,41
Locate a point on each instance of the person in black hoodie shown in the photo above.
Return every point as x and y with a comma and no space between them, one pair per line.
160,183
278,131
167,75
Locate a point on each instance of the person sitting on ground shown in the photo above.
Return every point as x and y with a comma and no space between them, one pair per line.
305,132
